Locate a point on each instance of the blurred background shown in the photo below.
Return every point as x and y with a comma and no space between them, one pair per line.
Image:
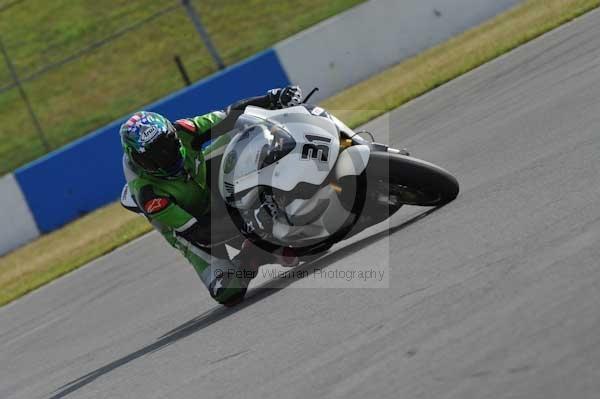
84,63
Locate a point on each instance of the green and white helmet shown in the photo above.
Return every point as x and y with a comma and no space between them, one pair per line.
150,142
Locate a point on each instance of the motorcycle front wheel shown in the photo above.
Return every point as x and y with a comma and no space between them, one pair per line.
404,180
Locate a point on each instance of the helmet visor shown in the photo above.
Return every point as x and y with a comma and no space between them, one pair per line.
161,156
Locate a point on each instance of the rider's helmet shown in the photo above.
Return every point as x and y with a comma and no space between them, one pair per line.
150,143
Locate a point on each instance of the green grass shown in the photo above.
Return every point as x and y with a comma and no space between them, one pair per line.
100,232
55,254
130,71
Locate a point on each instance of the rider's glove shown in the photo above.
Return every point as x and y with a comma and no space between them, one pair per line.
286,97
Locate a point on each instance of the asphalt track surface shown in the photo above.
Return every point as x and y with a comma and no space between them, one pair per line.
496,295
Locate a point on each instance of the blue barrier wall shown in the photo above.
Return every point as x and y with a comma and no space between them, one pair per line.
87,174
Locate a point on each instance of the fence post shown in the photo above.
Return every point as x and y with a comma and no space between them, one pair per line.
15,76
195,17
182,70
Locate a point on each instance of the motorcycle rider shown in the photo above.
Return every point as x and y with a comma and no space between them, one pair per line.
166,173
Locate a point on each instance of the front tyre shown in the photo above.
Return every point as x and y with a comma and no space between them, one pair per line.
403,180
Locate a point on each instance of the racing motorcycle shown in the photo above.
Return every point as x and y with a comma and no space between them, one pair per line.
300,178
316,181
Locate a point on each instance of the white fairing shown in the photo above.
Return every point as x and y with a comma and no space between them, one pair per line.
353,161
310,160
308,151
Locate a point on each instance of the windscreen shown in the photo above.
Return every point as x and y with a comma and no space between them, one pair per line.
258,146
